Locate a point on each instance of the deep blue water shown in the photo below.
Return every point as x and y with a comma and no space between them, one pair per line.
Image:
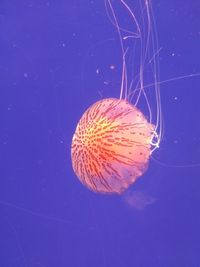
49,55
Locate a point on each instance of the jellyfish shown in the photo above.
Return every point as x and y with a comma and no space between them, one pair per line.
114,140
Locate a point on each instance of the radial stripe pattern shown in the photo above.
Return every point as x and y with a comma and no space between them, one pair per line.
111,146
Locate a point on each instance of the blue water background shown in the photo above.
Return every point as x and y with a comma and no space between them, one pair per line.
50,52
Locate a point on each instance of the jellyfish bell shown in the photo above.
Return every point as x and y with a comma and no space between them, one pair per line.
114,140
111,146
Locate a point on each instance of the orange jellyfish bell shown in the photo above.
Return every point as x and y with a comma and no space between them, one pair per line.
111,146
